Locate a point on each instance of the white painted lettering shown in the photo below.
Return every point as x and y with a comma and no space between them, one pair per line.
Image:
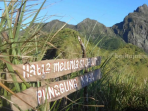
65,66
39,96
56,90
71,65
56,67
32,70
66,89
71,84
51,92
81,63
61,88
77,64
61,66
48,68
38,69
43,94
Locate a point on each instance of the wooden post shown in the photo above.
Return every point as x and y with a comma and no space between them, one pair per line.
85,88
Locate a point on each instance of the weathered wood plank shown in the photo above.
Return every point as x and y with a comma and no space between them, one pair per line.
53,91
46,69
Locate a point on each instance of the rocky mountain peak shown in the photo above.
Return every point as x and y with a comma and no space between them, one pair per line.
143,9
88,20
134,28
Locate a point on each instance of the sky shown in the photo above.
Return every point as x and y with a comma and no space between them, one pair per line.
107,12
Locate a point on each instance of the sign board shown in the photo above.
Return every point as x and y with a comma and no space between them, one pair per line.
46,69
53,91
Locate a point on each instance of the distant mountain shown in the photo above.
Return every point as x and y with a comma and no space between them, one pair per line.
91,29
134,28
87,27
55,25
99,32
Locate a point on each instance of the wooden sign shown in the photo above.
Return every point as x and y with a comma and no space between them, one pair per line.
53,91
46,69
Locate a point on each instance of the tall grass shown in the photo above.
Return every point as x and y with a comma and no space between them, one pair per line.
116,91
19,44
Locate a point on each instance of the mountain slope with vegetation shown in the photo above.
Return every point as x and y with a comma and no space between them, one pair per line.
86,28
66,45
123,74
134,28
92,30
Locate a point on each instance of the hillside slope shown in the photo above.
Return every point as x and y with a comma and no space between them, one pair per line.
134,28
92,30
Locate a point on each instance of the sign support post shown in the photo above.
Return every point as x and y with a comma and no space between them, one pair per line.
85,88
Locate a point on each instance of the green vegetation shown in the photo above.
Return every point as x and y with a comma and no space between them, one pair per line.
123,86
67,46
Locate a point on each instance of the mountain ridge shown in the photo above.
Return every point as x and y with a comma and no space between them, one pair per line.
133,29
